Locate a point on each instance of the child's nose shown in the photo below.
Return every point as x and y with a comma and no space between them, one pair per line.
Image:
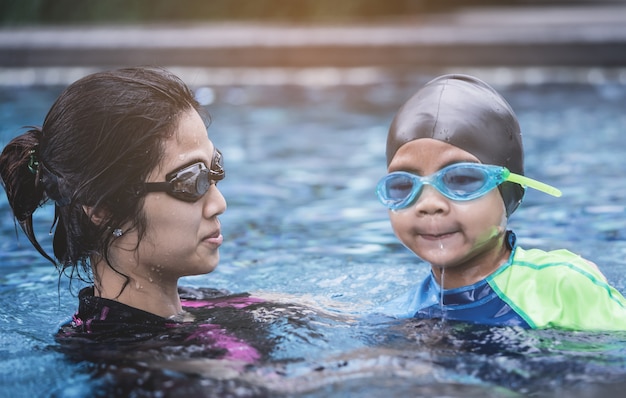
431,201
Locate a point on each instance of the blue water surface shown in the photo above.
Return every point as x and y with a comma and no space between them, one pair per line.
303,225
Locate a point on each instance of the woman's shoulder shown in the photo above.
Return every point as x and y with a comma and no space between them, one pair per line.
216,323
204,297
99,319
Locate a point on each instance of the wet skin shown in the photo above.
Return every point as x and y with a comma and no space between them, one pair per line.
182,238
466,239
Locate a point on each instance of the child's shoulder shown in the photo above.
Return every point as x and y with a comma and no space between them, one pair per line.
560,289
540,259
549,270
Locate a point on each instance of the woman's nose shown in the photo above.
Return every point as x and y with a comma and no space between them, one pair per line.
214,202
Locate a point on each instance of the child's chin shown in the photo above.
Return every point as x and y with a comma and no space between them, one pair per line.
439,261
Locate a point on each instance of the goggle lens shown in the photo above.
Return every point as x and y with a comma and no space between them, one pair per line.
397,187
464,181
191,182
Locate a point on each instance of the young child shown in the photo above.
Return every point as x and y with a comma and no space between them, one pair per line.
448,147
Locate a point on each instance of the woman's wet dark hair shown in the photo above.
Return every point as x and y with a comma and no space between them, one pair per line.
101,138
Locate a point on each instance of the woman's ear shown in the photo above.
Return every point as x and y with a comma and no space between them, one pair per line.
96,215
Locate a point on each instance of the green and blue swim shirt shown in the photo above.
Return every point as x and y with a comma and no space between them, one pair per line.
534,289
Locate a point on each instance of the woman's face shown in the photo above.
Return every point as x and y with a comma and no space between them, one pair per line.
182,238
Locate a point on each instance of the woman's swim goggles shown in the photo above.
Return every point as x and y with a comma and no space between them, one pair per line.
460,181
191,182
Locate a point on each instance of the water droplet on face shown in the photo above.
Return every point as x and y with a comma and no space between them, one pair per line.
442,305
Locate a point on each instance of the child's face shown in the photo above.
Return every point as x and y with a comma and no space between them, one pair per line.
455,235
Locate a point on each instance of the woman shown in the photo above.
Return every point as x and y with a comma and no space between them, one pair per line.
125,158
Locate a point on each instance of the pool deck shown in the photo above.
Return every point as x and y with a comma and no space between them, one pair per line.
575,36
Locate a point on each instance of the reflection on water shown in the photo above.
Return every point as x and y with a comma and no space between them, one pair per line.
304,227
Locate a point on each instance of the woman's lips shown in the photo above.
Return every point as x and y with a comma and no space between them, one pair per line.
215,238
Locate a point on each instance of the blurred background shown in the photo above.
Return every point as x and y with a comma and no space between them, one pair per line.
276,42
18,12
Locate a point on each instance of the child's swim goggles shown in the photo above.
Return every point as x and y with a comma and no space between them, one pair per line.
460,181
191,182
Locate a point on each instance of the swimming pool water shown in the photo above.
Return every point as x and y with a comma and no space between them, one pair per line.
303,225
